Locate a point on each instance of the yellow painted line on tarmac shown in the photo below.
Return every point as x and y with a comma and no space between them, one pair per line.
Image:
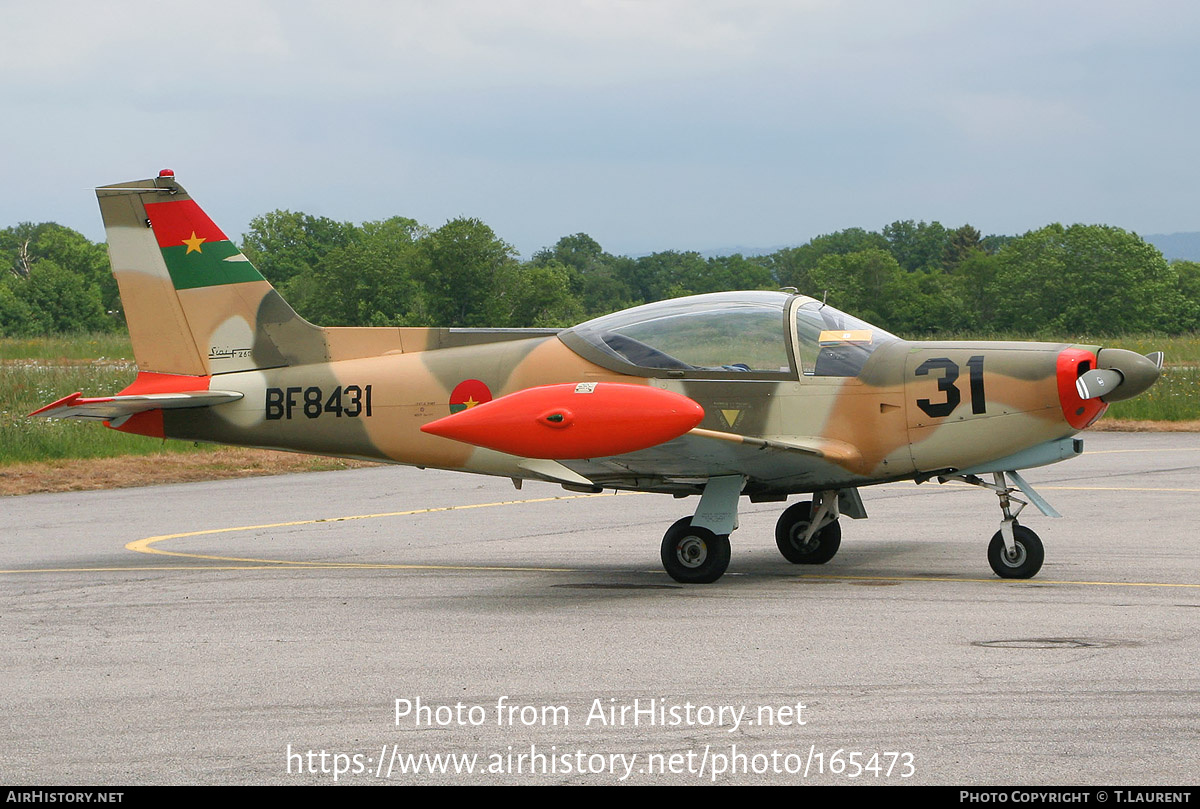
145,545
1119,451
999,581
1116,489
958,484
276,565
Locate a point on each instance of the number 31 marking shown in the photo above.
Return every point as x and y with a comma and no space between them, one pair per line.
946,385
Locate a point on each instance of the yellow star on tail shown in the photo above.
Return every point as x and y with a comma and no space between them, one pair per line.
194,243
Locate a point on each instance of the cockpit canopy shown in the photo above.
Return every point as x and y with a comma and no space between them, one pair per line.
729,334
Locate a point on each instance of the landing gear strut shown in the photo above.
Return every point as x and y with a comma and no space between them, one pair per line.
1015,551
807,535
695,550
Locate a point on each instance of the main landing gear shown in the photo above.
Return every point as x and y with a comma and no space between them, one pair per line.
694,555
695,550
808,536
807,533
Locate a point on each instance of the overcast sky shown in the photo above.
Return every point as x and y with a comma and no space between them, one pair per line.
649,125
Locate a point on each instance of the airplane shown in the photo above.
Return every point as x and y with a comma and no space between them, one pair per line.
758,394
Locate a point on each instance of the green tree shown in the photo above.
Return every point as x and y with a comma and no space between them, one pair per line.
1085,279
1188,287
16,318
976,275
961,243
370,282
926,302
995,243
283,244
859,283
58,301
534,295
792,266
917,245
594,276
465,263
578,251
726,273
669,274
23,246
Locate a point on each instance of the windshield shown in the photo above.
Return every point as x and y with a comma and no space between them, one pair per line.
833,343
734,332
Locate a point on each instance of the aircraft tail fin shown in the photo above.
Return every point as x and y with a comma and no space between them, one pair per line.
194,304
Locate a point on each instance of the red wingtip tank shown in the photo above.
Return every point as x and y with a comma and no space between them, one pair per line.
585,420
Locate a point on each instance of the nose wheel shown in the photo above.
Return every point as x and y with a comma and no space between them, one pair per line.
1023,561
693,555
1015,552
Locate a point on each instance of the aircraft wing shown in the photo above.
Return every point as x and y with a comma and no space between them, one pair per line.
777,463
623,435
109,408
826,448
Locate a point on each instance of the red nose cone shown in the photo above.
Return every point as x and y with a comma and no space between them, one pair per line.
588,420
1078,412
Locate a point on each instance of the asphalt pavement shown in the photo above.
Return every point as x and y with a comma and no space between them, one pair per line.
430,627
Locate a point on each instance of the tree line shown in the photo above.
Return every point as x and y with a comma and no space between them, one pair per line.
913,278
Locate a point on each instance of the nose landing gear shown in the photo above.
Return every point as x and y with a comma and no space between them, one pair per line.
1025,558
1015,551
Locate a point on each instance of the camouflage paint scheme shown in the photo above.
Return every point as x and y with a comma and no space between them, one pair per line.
204,322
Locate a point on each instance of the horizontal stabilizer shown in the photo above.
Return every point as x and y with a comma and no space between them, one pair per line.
108,408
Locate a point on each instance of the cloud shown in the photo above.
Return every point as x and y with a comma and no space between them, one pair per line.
784,118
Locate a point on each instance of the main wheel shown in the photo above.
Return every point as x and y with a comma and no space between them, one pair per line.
694,555
1026,559
789,536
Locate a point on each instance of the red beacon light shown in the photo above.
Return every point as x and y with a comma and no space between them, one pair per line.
167,173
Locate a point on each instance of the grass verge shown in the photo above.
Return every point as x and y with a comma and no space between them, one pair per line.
86,474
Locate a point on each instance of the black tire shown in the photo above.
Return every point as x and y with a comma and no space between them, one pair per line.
1029,554
694,555
789,534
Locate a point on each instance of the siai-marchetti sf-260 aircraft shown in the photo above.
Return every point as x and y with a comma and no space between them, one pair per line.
729,395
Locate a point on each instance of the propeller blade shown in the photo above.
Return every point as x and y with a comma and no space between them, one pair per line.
1095,383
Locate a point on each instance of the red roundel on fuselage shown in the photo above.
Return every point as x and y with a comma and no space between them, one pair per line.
467,394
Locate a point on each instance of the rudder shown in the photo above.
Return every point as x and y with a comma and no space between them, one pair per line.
194,304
